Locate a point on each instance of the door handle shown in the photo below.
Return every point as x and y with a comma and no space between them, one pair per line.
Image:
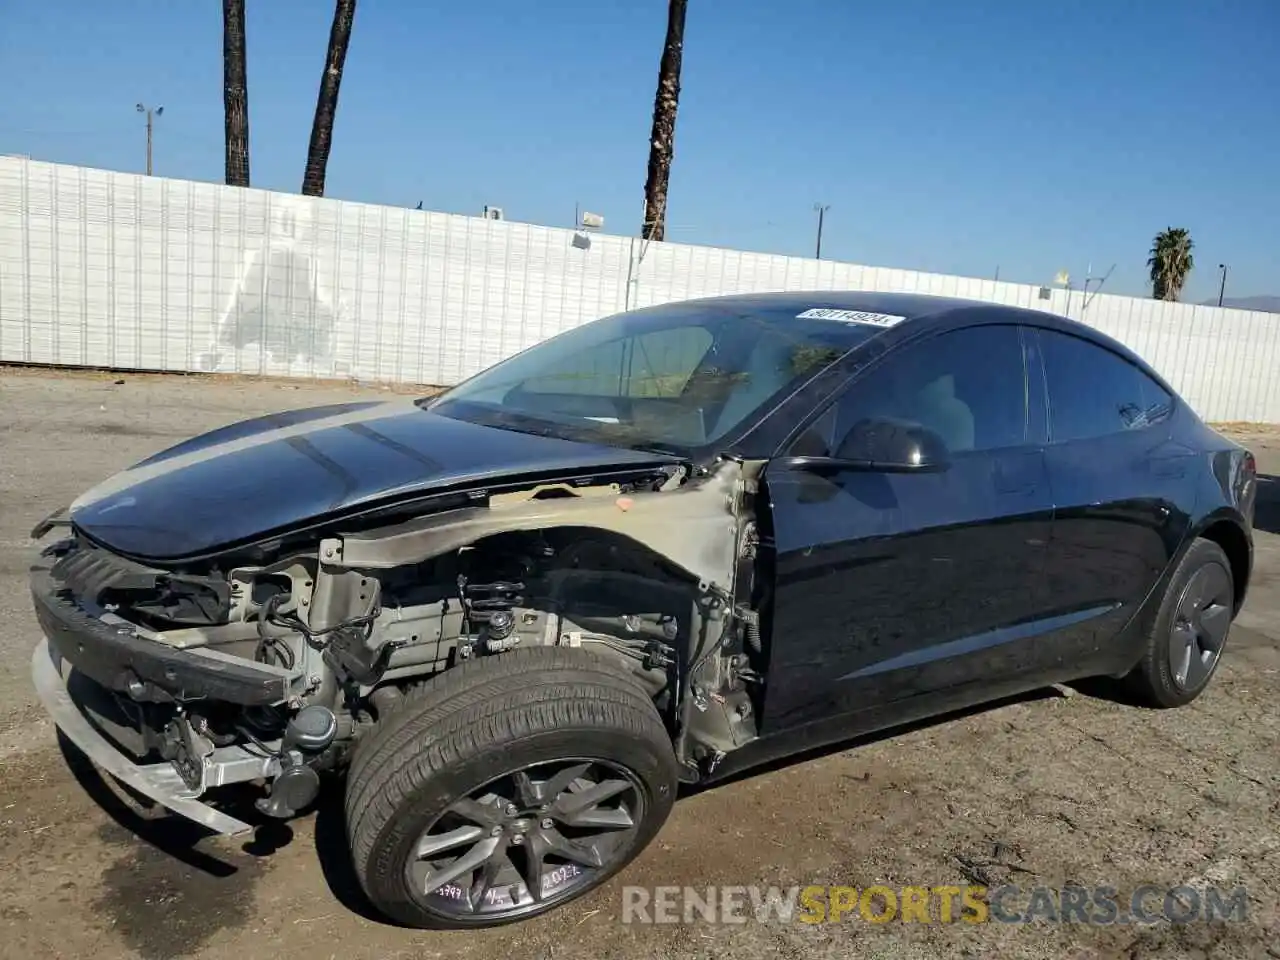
1016,475
1013,482
1006,485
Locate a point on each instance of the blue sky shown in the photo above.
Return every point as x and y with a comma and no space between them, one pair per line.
953,137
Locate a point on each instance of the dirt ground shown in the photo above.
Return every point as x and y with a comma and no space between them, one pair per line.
1045,790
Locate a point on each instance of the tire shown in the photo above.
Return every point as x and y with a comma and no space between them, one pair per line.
1156,680
482,722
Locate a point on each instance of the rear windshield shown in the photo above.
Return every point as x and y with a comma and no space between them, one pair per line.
678,377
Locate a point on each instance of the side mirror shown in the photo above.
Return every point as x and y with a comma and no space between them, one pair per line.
884,446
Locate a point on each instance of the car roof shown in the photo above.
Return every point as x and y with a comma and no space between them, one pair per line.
912,306
919,312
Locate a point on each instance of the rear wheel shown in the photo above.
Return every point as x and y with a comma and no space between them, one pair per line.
1190,632
507,787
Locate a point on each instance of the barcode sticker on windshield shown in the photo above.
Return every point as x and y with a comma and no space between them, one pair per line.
851,316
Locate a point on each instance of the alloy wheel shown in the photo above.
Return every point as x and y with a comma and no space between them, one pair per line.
527,839
1200,625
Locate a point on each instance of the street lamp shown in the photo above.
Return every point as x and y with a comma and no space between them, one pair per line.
822,209
149,112
1222,289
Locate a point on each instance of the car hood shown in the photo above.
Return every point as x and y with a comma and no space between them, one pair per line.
266,476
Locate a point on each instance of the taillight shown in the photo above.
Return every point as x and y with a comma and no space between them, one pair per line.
1248,485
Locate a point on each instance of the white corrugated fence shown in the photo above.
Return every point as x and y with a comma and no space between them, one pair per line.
119,270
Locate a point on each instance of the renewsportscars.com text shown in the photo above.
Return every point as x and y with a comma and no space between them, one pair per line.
1011,903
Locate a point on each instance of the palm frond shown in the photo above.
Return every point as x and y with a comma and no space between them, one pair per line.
1170,262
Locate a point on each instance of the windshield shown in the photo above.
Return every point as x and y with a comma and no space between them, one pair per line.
676,377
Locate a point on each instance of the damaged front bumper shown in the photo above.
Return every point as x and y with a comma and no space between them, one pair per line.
114,655
97,677
160,782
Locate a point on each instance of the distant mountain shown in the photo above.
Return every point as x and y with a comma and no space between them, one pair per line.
1267,304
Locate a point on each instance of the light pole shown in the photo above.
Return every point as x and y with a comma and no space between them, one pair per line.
150,113
1222,289
822,210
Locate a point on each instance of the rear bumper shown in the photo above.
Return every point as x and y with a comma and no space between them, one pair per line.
159,781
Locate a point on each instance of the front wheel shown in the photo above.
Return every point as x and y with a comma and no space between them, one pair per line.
1186,642
507,787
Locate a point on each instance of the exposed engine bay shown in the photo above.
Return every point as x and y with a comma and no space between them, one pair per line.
657,570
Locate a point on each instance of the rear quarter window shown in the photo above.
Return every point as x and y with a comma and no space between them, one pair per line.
1096,393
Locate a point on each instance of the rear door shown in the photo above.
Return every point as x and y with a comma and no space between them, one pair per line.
890,588
1117,479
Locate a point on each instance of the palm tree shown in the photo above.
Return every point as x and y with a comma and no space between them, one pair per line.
235,93
662,138
1170,262
344,13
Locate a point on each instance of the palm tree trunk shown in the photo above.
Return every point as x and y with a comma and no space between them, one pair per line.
344,13
662,138
235,93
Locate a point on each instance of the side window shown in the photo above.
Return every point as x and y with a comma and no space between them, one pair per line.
968,386
656,364
1094,392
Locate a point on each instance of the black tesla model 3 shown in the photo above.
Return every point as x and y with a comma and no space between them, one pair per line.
658,548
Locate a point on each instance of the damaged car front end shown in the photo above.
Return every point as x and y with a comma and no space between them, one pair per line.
277,599
267,666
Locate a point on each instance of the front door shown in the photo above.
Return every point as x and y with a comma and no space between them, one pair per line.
893,588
